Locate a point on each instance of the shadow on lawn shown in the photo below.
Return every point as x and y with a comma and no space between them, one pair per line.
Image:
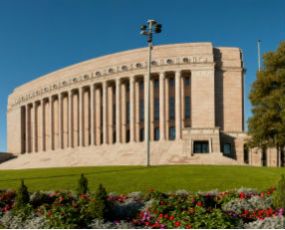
77,174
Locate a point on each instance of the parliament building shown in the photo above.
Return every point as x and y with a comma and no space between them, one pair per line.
93,113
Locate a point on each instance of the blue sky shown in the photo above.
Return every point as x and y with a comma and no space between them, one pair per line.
40,36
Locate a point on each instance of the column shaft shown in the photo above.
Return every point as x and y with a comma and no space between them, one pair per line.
80,106
110,114
123,112
177,105
161,106
137,111
60,122
70,119
118,109
132,111
98,115
104,88
92,114
183,119
167,121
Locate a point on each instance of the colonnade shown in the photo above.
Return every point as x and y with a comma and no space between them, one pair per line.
108,112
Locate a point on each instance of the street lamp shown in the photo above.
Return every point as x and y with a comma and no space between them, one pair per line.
151,27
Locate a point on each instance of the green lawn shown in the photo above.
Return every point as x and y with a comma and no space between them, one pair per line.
124,179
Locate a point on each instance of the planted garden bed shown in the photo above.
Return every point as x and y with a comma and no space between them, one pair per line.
243,208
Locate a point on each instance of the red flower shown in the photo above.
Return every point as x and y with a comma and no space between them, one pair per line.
245,212
166,216
171,218
262,194
147,223
177,224
188,226
160,215
242,195
199,203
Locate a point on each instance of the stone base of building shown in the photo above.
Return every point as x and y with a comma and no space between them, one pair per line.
162,153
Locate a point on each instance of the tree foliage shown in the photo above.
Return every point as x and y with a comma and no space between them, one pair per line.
82,185
267,124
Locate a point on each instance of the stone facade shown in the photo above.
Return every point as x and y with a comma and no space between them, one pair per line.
94,111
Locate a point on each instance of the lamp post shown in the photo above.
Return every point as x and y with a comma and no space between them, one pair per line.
151,27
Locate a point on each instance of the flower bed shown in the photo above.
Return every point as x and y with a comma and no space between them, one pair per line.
243,208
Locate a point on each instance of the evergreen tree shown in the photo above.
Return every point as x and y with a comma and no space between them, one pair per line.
82,185
279,194
22,196
266,126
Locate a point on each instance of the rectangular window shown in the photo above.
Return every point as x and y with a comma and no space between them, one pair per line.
187,81
171,82
187,107
142,134
201,147
156,109
156,134
171,133
141,110
128,112
171,107
227,149
156,83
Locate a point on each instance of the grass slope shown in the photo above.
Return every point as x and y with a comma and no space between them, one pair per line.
124,179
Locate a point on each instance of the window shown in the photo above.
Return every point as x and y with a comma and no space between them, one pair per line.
171,107
156,84
156,109
142,134
245,154
128,136
201,147
128,112
141,85
171,82
263,157
156,134
187,107
227,149
171,133
187,81
141,110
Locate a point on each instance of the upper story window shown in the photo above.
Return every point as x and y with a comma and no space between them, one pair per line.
141,110
171,107
156,109
187,107
156,83
141,85
171,82
187,81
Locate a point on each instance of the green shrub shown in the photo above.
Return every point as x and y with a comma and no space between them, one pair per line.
99,206
279,194
82,185
22,196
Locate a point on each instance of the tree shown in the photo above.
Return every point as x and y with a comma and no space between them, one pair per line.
22,196
82,185
267,124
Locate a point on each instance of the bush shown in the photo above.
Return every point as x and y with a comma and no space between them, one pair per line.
82,185
12,220
98,207
268,223
279,194
22,196
100,224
